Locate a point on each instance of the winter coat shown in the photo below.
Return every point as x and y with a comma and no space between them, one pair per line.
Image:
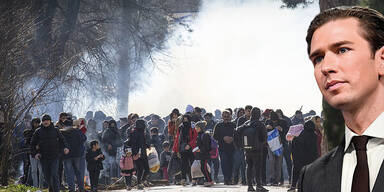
28,133
203,141
259,130
156,142
92,164
182,141
165,157
304,147
137,141
111,136
50,141
241,121
76,140
221,130
126,166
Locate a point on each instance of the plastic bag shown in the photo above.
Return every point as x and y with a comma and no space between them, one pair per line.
174,166
153,160
196,169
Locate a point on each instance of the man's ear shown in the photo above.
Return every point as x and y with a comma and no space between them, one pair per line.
379,57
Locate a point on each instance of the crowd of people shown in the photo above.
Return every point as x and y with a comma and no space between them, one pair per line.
248,144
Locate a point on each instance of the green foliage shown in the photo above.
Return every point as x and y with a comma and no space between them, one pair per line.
334,125
292,4
18,188
374,4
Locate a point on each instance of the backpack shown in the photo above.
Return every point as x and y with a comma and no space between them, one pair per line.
248,137
214,152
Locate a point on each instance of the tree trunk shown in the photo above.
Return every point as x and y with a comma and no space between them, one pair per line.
125,57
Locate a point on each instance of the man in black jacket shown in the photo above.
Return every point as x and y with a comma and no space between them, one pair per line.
76,140
253,147
46,142
223,133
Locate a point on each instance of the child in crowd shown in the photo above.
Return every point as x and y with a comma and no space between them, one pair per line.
203,144
165,157
127,167
94,158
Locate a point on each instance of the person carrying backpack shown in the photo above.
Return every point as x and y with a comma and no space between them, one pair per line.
203,143
252,136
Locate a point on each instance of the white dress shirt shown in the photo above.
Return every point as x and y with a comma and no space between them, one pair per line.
375,154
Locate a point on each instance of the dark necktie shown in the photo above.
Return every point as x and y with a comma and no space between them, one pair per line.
361,175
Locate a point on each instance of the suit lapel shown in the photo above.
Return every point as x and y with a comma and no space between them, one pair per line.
379,183
334,169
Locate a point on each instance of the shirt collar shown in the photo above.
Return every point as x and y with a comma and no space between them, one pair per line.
376,130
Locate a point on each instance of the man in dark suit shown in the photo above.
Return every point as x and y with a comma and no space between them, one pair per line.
346,47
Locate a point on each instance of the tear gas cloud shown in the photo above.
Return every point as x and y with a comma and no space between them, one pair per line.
239,53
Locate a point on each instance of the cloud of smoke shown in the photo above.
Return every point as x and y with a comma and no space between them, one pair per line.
240,52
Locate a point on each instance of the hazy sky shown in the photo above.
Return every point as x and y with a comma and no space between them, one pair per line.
240,52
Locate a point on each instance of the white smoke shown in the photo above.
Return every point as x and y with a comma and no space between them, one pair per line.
240,52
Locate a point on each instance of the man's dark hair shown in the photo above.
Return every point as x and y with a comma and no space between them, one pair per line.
208,115
255,113
35,120
274,116
298,112
280,111
135,116
93,143
63,114
248,107
371,23
68,122
229,110
197,110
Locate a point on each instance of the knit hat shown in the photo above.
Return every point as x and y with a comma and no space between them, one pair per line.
46,118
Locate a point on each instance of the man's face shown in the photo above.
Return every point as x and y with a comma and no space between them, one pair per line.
226,116
208,118
46,123
345,71
248,112
35,125
63,118
240,113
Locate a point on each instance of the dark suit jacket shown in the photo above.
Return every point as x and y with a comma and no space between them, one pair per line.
324,175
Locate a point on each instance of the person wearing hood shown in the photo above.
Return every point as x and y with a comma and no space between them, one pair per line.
304,151
72,167
186,141
46,142
156,121
111,139
137,141
203,143
256,136
223,133
35,166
